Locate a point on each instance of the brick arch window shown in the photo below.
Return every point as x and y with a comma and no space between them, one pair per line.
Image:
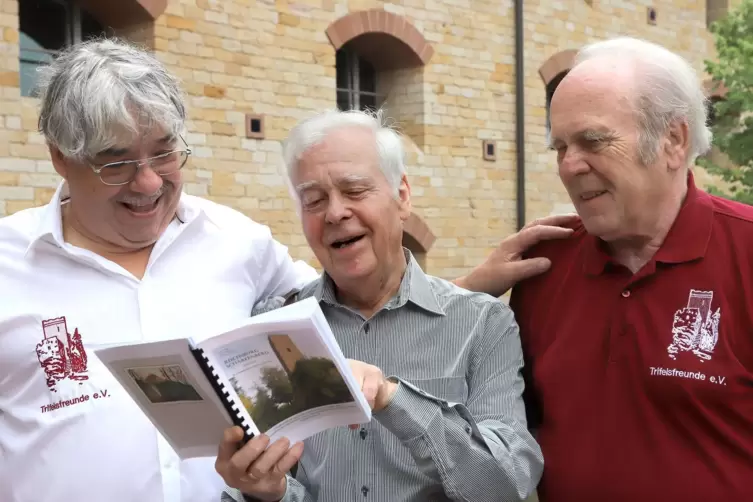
369,45
552,72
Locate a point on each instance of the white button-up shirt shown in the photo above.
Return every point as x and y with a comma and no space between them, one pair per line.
68,431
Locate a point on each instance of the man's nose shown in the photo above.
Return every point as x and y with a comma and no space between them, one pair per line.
337,210
146,180
572,163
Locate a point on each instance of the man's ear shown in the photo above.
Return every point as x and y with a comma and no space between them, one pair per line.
59,162
677,145
403,194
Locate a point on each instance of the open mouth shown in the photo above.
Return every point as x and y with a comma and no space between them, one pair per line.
592,195
346,242
142,207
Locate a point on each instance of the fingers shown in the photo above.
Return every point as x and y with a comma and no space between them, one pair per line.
265,465
239,464
370,387
528,237
524,269
229,444
369,378
555,220
289,459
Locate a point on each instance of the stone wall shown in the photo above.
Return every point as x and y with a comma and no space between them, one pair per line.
274,58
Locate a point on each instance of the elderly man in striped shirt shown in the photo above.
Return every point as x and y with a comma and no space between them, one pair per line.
440,365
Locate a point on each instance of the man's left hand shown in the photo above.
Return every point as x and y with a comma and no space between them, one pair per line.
505,266
374,385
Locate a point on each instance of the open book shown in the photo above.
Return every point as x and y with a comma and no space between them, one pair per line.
280,373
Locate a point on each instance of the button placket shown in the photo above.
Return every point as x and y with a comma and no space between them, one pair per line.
620,327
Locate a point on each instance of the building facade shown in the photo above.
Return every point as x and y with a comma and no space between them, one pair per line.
444,71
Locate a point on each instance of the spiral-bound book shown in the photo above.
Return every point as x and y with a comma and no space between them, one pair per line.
280,373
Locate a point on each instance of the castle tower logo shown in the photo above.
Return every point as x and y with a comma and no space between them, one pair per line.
61,354
696,327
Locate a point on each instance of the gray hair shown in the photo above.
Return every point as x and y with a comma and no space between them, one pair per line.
313,130
96,91
669,89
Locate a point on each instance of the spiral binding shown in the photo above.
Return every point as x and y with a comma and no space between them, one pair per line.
219,388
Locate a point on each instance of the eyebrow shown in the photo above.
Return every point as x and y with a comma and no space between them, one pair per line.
587,134
118,152
347,180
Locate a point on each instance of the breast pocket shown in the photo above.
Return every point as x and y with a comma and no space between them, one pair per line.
451,389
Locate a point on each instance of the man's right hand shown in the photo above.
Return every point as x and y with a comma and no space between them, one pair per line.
257,469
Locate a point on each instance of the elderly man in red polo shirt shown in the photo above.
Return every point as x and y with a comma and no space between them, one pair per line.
639,339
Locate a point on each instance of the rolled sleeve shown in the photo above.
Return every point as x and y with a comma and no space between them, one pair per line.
480,450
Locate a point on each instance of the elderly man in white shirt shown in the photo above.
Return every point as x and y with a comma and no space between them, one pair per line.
120,254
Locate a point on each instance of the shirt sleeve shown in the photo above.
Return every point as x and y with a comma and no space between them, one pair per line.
273,271
295,492
480,451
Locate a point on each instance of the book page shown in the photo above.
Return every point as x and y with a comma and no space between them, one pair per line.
286,376
165,380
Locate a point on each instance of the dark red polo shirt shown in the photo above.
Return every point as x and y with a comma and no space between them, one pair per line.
641,386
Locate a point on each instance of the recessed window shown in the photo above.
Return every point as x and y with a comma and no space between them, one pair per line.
356,82
46,27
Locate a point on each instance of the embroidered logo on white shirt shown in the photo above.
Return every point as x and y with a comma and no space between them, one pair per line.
61,355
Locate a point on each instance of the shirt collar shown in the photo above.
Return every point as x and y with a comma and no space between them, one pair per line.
50,227
414,287
687,240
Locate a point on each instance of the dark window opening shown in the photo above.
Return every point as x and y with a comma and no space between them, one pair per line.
356,82
46,27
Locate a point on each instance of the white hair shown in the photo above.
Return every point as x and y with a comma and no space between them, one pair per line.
313,130
668,89
96,91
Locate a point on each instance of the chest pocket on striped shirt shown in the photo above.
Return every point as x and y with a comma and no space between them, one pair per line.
452,389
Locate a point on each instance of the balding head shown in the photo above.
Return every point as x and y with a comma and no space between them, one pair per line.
626,122
664,88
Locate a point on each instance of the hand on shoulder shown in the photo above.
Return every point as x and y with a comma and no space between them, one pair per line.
505,266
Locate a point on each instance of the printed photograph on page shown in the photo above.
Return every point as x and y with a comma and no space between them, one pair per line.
281,375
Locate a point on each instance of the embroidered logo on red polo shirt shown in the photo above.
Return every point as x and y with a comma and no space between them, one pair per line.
696,327
61,354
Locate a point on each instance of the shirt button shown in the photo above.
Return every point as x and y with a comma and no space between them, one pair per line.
365,490
626,293
366,328
364,433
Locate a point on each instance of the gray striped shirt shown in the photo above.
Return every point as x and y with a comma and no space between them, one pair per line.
456,427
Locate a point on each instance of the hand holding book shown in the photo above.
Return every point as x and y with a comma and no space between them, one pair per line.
258,469
278,374
376,388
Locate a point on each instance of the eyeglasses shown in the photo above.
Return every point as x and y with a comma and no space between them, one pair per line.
123,172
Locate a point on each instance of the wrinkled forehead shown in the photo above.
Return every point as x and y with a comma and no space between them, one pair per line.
595,101
340,158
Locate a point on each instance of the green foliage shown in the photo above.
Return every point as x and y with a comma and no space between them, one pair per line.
733,124
314,382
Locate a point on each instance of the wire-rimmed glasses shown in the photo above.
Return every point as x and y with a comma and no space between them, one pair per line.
123,172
